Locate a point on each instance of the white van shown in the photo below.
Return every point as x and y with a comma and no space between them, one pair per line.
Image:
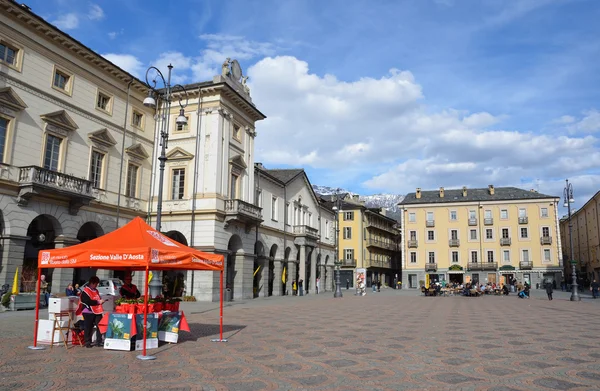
111,286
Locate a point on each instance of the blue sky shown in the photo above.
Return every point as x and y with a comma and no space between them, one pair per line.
385,96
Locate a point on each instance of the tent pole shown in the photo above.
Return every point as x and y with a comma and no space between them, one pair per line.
37,314
220,339
143,355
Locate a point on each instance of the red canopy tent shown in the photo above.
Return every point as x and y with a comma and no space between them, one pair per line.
135,246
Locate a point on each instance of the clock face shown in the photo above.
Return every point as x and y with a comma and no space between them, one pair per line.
236,70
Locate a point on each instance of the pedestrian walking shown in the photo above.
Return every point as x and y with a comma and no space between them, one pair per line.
317,286
300,288
549,290
594,288
347,284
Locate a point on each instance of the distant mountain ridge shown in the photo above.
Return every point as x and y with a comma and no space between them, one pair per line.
387,201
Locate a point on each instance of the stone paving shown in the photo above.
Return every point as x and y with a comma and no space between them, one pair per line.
393,340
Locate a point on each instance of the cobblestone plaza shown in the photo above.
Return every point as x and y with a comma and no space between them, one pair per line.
393,340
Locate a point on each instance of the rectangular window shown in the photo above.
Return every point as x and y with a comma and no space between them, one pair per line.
472,214
504,233
454,256
413,257
274,208
3,135
506,255
52,153
430,235
431,257
137,119
490,256
524,233
546,232
413,235
103,102
326,228
504,214
233,186
547,255
489,233
412,217
544,212
525,255
474,257
96,169
429,216
473,234
522,212
349,216
8,54
61,80
182,127
347,232
178,189
453,215
454,234
487,214
132,179
349,254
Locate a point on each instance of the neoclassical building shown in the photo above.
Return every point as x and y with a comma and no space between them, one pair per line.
75,142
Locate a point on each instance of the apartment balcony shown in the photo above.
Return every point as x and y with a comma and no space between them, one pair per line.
472,222
305,230
523,220
379,263
380,243
488,221
546,240
348,263
430,223
454,242
482,266
431,267
242,212
413,243
505,241
525,265
35,180
372,223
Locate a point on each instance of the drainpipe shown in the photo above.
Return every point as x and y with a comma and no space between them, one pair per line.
194,191
123,154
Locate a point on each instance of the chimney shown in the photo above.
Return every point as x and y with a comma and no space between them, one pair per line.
383,212
533,190
418,193
464,191
491,189
355,197
441,192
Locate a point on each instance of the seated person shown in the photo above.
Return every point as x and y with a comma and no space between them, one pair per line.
70,291
129,290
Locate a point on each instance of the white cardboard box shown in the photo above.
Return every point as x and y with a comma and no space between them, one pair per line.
168,336
45,332
151,343
117,344
58,304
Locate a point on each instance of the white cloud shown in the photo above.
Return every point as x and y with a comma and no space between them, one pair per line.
128,62
95,12
565,119
67,21
590,123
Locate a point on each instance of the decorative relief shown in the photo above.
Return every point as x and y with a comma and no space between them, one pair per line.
7,111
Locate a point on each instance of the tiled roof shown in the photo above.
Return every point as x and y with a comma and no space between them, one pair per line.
456,195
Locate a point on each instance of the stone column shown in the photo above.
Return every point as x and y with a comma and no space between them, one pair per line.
322,286
302,266
13,249
244,277
61,277
277,283
263,283
313,273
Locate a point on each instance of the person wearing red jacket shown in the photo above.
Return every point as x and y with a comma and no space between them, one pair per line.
92,312
129,290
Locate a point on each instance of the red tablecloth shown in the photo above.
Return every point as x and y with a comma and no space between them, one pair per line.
103,325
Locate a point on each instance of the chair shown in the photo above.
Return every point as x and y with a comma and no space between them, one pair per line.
59,318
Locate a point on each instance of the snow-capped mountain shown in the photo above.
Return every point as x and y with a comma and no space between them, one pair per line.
387,201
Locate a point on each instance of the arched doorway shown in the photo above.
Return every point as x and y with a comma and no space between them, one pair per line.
272,255
88,231
233,247
173,280
42,232
259,256
286,268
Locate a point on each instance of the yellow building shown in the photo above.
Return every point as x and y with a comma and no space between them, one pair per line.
367,239
480,235
586,241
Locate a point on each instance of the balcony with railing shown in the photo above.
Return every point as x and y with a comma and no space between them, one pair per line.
525,265
305,230
373,223
482,266
374,242
242,212
413,243
505,241
454,242
430,223
472,221
431,267
488,221
523,220
379,263
35,180
348,263
546,240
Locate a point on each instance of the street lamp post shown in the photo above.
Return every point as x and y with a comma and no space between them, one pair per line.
164,96
568,196
337,263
